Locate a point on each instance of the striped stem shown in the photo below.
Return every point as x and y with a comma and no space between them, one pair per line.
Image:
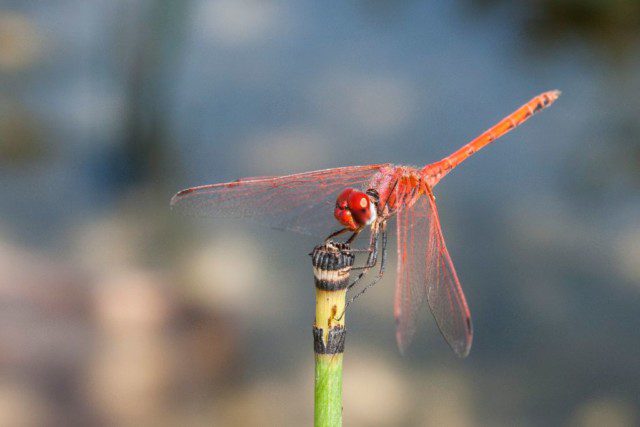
332,264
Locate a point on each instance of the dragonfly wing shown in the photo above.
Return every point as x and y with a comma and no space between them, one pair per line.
444,293
425,269
300,202
412,225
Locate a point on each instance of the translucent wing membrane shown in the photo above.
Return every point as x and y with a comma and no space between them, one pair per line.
301,202
444,293
425,269
413,234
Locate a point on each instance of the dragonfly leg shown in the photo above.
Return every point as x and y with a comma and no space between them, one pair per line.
371,262
372,259
336,233
353,236
371,249
380,273
359,250
341,231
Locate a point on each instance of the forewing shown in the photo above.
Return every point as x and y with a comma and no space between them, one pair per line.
300,202
425,268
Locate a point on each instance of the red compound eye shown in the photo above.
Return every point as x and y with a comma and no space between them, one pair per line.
353,209
360,207
342,211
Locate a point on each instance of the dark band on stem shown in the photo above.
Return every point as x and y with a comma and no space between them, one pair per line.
332,285
332,256
335,341
331,263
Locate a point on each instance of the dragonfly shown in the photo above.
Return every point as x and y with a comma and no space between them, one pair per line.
366,198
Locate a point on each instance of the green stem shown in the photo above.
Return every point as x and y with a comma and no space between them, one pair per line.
328,390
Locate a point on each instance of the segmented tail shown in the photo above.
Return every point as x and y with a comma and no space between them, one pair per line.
438,170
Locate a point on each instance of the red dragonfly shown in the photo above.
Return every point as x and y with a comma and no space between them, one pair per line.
367,197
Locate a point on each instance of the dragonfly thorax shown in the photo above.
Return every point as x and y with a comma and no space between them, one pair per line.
398,187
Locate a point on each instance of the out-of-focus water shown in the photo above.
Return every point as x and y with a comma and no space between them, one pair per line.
116,311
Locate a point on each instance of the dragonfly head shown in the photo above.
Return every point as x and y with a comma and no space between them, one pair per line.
354,209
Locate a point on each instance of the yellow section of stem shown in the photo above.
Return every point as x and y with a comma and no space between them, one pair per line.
329,307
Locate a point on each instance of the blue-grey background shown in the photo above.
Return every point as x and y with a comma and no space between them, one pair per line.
114,311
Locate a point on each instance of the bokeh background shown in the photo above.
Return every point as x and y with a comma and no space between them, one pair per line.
116,312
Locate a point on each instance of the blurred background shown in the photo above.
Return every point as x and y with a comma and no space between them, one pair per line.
116,312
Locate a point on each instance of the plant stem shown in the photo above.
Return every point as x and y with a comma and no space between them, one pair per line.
331,267
328,390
